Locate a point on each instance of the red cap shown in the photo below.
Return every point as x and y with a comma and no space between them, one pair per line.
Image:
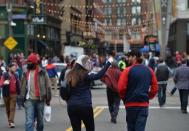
33,58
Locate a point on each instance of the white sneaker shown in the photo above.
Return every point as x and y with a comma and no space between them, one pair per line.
11,125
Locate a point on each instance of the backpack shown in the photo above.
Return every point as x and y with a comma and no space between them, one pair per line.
65,90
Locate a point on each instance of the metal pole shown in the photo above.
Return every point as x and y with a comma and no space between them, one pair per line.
9,10
165,23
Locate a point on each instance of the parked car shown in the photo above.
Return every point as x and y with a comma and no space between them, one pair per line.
60,67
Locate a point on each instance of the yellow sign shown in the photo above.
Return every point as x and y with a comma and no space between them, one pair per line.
10,43
38,9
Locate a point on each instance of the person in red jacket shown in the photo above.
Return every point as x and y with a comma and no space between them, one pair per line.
137,84
111,78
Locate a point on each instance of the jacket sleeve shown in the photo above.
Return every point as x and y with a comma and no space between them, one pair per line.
1,81
154,86
48,87
18,87
23,85
175,76
123,82
100,73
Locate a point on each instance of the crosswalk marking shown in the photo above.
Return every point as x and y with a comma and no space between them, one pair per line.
151,107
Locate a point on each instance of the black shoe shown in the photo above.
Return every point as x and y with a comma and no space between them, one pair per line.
184,111
113,120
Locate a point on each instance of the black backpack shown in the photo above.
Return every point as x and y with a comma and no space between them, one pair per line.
65,90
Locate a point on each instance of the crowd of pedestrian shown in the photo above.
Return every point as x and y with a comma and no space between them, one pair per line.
133,78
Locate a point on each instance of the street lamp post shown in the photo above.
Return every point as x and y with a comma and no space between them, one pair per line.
166,7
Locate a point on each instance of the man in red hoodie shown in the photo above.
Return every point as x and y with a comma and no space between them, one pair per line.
137,84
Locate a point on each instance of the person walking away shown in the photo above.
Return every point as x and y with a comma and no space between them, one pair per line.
111,78
162,75
10,84
51,69
36,90
79,104
137,84
178,58
152,62
181,79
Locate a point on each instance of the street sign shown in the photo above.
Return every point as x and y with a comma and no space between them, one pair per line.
10,43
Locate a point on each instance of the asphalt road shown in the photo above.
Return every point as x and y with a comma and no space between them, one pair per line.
168,118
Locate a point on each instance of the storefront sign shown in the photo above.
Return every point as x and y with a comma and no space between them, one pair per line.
38,20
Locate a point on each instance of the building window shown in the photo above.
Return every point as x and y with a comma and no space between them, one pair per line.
118,22
121,36
121,1
108,21
107,1
136,10
123,21
121,11
136,35
133,21
136,21
107,11
136,1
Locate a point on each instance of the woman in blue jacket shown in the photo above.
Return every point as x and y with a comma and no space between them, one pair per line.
80,101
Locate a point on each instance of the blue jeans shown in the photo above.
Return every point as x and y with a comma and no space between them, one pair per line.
136,118
34,110
162,94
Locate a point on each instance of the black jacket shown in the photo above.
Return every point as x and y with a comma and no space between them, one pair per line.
162,72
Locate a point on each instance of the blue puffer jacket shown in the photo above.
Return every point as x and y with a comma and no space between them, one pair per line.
81,94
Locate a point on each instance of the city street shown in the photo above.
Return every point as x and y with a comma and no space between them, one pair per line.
168,118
